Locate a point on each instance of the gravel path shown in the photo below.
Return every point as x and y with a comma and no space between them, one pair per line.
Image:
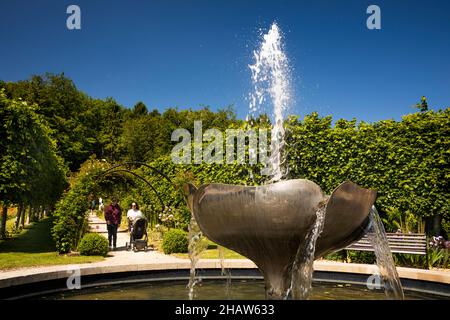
121,255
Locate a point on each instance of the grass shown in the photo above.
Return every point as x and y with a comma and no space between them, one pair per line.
155,238
35,247
16,260
213,254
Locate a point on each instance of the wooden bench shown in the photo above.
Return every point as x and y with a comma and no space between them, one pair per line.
410,243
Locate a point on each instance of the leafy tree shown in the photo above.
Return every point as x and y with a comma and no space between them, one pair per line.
143,139
140,109
423,105
63,107
112,126
155,113
31,172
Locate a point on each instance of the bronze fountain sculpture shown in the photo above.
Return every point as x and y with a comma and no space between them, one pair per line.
268,224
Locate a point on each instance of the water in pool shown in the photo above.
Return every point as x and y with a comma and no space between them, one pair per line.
216,290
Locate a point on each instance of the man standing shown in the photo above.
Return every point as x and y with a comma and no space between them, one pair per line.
113,216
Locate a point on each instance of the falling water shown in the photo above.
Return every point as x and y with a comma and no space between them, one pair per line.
271,77
302,270
225,271
385,262
197,244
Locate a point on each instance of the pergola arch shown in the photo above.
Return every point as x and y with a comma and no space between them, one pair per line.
117,168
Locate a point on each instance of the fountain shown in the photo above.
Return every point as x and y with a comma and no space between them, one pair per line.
269,224
283,226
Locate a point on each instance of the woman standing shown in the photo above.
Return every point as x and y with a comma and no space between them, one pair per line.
113,216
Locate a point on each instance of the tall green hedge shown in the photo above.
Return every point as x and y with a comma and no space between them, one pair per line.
406,161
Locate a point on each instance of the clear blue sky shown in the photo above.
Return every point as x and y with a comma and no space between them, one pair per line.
192,53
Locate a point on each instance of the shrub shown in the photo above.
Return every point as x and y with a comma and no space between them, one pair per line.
361,257
409,260
175,241
438,258
93,244
336,256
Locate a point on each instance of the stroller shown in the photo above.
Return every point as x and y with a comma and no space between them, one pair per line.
138,235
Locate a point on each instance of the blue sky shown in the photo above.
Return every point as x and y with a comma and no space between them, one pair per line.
193,53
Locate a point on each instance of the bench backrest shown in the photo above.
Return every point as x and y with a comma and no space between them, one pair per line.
413,243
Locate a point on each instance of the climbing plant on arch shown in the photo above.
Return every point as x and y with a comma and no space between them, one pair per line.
71,213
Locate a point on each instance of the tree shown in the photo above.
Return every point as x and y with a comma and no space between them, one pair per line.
140,109
30,170
112,127
155,113
63,107
143,139
423,105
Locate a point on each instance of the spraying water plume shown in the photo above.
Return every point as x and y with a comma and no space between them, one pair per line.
271,78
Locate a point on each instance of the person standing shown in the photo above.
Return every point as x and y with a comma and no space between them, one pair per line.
93,206
113,216
100,206
133,214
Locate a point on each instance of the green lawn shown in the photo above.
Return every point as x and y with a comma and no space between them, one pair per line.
35,247
213,254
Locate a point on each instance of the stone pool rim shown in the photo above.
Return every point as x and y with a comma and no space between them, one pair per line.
26,283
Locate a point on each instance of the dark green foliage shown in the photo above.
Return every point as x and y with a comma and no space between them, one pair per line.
31,173
365,257
143,138
81,126
70,217
423,105
30,170
140,109
340,256
406,161
352,256
437,258
175,241
93,244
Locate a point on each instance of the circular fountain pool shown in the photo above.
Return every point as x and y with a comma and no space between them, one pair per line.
246,284
217,290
